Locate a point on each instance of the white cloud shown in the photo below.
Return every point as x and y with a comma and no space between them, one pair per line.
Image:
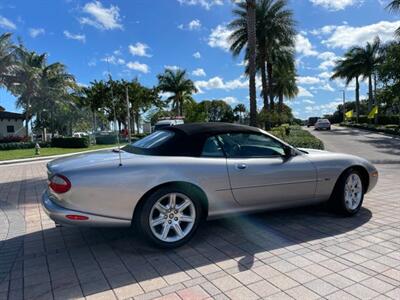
101,17
231,100
329,60
323,109
197,55
304,92
335,5
325,75
172,67
307,80
207,4
323,30
199,72
346,36
6,23
113,60
218,83
92,63
137,66
77,37
34,32
219,37
308,101
304,46
139,49
327,87
192,25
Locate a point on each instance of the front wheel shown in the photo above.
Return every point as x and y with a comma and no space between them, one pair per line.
170,217
348,195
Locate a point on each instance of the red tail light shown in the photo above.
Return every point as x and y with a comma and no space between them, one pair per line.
77,217
59,184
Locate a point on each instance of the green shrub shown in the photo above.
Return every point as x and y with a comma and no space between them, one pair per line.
70,142
22,145
106,139
297,137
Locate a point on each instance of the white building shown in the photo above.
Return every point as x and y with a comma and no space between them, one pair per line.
11,124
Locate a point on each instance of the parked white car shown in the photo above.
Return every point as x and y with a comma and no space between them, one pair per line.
322,124
166,123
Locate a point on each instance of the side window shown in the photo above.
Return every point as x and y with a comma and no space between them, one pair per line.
250,145
212,148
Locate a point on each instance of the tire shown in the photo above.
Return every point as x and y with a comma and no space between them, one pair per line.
157,208
348,194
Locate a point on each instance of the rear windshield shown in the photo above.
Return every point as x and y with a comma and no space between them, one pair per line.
153,140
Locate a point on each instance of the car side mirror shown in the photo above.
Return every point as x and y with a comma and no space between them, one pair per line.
289,152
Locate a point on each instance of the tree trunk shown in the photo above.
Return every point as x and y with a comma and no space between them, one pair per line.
280,107
270,85
370,93
137,117
180,109
264,79
94,121
27,118
357,99
251,44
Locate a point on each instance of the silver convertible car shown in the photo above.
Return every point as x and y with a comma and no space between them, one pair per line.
171,180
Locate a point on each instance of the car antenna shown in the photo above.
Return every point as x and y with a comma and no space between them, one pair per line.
115,115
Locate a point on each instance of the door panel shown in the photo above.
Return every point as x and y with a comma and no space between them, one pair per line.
259,181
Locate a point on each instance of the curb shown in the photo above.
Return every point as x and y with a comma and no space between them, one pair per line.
34,159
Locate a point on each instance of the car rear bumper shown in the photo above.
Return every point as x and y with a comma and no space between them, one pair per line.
58,214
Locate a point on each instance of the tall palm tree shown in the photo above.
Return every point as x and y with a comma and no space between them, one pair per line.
177,83
26,79
369,57
7,58
244,36
275,29
240,109
350,68
394,6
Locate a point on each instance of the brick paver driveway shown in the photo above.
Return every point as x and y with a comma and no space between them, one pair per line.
305,253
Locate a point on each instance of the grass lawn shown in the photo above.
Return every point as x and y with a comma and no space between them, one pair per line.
28,153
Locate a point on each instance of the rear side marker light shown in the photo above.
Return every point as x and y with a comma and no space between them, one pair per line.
77,217
59,184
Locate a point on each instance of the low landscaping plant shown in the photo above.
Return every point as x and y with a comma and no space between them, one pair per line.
71,142
22,145
297,137
106,139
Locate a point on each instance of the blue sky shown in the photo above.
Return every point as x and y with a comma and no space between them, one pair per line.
141,37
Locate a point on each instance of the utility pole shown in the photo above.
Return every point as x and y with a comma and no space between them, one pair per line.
344,105
128,115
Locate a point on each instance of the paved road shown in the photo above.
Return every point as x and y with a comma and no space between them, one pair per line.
306,253
378,148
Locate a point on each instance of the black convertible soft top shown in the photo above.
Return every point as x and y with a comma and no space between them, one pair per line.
188,139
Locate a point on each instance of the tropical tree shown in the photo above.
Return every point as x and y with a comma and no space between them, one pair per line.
26,79
284,84
394,6
240,110
7,58
274,32
94,97
369,58
176,83
245,36
350,68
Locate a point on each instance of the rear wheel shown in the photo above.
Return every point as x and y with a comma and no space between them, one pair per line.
170,217
348,195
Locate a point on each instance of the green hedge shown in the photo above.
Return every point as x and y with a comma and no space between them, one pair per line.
390,129
22,145
106,139
382,120
297,137
70,142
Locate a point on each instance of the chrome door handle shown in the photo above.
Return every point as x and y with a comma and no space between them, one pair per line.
241,166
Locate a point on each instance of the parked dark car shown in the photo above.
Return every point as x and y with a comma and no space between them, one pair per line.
312,121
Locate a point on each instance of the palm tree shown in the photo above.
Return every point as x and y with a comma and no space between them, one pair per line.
369,58
394,6
285,84
240,109
245,36
350,68
7,59
94,97
177,83
26,79
274,31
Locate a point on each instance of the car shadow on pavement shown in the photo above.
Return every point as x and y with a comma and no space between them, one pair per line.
71,261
